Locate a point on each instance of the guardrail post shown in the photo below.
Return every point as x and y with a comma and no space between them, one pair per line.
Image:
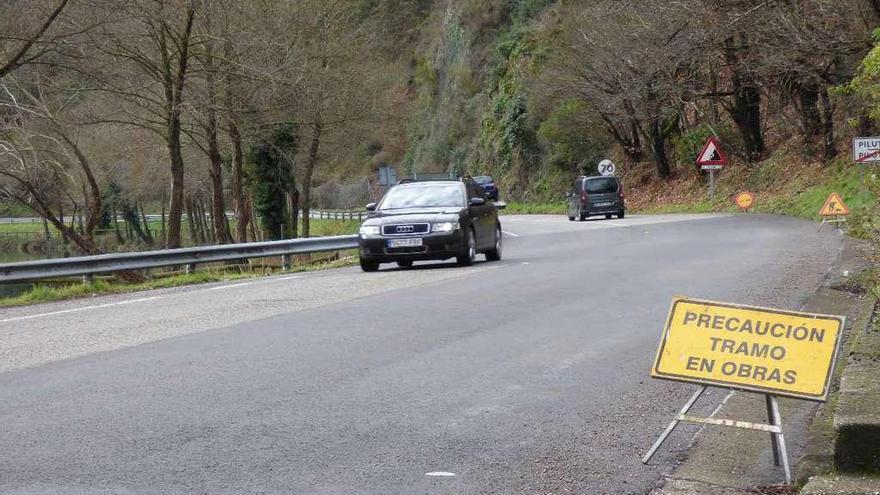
190,267
87,278
285,262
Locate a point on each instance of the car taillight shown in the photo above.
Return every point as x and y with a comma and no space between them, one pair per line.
585,198
620,190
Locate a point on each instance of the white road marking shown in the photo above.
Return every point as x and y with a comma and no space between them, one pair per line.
525,262
440,474
73,310
254,282
230,286
511,234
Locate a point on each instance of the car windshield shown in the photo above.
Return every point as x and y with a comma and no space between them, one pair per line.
600,186
422,196
483,179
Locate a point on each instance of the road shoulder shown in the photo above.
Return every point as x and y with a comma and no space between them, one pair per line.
732,461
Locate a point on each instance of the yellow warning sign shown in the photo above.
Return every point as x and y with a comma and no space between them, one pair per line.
834,206
745,200
759,349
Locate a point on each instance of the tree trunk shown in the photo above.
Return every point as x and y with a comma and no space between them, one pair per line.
203,217
636,153
746,108
147,231
220,229
810,118
174,100
239,202
218,206
294,212
175,209
92,193
828,125
658,147
252,222
194,231
164,231
307,176
713,88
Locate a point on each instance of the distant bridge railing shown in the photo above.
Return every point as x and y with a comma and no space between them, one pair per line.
87,266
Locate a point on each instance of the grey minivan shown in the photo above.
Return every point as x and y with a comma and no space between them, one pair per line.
596,196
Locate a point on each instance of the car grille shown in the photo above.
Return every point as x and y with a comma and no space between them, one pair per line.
405,229
407,250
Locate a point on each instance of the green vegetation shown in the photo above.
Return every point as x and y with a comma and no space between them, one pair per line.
269,173
781,186
518,208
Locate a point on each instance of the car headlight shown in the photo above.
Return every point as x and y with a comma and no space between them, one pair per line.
445,226
368,230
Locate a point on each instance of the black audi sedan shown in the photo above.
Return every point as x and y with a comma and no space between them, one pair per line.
435,220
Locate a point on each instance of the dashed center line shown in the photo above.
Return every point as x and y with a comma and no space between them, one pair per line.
73,310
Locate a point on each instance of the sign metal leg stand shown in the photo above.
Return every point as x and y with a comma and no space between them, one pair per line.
773,441
780,438
780,453
712,185
684,410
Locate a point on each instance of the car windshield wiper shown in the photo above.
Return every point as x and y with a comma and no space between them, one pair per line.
419,206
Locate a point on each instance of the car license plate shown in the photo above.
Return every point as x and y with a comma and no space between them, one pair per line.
607,203
397,243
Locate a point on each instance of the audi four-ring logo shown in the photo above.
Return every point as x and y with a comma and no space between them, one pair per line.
405,229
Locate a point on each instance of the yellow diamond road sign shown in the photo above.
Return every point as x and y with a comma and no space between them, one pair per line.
759,349
834,206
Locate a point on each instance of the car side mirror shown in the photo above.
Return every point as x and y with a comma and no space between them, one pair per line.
371,207
569,195
500,205
477,201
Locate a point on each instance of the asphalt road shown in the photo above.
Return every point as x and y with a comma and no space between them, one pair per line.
524,376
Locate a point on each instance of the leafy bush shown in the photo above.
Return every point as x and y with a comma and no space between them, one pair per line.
573,146
270,174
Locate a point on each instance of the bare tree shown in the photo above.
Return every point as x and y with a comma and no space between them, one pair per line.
29,47
334,85
634,67
43,143
142,63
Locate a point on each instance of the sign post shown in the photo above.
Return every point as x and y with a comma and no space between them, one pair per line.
711,158
769,351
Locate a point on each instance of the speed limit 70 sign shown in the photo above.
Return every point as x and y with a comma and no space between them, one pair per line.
606,167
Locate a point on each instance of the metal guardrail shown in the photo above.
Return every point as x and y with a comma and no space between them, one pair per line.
339,214
329,214
108,263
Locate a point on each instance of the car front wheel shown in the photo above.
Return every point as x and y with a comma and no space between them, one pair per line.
369,266
467,257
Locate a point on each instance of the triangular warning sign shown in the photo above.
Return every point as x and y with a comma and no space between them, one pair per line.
711,153
834,206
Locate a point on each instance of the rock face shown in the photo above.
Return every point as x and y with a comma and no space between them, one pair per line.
857,418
